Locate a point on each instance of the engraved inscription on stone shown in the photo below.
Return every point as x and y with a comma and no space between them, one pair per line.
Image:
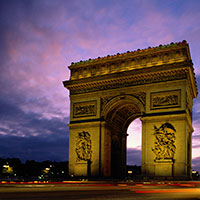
85,109
165,99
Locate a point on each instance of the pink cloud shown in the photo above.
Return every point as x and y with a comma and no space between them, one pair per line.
134,134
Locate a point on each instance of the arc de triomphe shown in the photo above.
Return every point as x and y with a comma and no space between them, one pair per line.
155,84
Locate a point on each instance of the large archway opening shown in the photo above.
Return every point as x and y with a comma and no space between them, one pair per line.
119,114
134,148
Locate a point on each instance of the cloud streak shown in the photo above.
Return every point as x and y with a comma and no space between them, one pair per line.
34,148
133,156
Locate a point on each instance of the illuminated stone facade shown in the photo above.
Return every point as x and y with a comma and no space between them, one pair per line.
107,94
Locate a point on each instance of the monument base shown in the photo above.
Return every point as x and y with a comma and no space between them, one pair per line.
164,168
81,168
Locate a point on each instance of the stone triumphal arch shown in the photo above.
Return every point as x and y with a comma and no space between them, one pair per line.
156,84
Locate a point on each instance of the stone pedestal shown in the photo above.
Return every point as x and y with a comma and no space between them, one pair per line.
80,169
163,168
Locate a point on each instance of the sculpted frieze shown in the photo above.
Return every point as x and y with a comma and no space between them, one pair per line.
85,109
129,81
166,99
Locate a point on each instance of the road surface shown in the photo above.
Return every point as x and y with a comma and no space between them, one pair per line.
100,191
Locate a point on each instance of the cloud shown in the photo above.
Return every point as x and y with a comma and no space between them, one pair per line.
134,132
31,136
196,107
196,124
34,148
24,124
34,105
28,67
133,156
196,164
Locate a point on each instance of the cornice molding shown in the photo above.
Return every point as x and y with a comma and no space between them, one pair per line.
128,81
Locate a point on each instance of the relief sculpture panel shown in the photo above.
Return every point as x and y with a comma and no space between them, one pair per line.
164,145
167,99
85,109
83,146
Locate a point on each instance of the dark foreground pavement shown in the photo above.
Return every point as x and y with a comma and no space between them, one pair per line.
97,191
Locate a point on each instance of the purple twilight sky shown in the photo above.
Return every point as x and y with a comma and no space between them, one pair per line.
40,38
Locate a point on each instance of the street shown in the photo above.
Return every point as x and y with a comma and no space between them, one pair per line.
132,191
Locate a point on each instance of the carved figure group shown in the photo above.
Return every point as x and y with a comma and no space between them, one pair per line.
165,100
85,110
84,146
164,145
